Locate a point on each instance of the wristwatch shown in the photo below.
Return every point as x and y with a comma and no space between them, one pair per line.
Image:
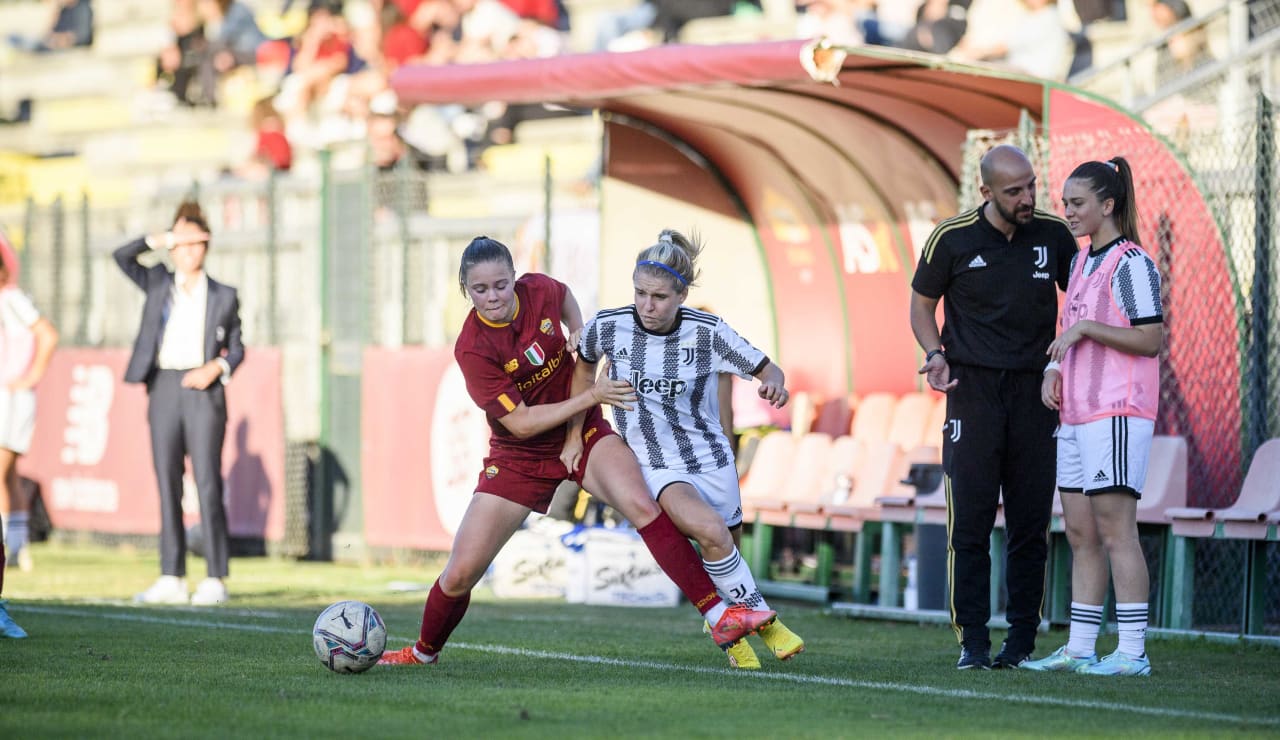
930,354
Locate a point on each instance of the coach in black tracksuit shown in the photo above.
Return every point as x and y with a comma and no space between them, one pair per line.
999,267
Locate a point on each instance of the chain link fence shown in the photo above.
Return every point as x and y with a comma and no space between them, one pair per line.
325,265
1220,366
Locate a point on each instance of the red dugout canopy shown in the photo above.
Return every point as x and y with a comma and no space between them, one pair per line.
840,161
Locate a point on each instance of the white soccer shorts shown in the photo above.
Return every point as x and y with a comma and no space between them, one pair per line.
17,419
719,488
1105,455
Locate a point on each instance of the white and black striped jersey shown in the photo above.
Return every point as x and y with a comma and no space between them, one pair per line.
675,423
1135,284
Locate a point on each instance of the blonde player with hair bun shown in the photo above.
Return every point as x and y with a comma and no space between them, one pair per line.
674,356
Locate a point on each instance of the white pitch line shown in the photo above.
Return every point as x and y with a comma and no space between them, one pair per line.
632,664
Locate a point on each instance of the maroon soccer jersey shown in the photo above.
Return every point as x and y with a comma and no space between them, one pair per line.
526,360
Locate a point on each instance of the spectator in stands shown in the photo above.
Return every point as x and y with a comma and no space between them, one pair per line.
939,26
272,151
232,37
1104,379
71,26
835,20
613,29
179,61
27,340
685,453
672,15
997,266
188,346
1184,52
401,42
1036,43
515,351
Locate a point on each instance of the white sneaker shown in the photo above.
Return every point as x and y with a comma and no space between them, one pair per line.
210,591
166,590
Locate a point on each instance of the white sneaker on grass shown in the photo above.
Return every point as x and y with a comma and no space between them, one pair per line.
166,590
1119,664
1060,660
209,592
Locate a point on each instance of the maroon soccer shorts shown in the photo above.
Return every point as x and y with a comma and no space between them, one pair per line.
532,483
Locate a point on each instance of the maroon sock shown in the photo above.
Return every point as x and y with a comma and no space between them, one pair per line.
440,615
679,561
3,556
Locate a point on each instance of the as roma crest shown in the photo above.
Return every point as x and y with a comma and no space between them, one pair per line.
535,354
491,471
546,327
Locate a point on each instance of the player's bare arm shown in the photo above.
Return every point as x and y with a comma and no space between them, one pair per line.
527,421
773,385
1143,340
924,324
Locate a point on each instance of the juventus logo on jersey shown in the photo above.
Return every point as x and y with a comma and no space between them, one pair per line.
953,425
1042,257
686,355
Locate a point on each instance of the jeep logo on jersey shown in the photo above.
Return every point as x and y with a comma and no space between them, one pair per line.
664,387
534,354
1042,257
546,327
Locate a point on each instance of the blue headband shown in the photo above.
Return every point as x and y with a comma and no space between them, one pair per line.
663,266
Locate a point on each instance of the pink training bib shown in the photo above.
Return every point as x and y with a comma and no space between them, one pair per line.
1098,381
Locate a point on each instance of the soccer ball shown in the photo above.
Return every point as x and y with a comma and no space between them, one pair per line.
349,637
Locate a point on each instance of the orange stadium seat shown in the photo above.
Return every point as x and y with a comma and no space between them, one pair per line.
909,424
835,417
770,466
809,463
872,418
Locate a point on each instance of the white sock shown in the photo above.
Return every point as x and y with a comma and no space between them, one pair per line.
1132,621
713,614
733,578
1086,622
16,532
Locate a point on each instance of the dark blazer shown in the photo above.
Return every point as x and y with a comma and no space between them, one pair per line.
222,315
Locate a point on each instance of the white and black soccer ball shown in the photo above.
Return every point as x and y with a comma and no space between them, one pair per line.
349,637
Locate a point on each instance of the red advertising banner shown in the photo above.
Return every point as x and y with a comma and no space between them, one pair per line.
424,444
91,453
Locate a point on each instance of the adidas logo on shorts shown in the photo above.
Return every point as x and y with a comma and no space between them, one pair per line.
1100,477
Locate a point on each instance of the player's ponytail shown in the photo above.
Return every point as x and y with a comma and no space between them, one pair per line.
674,256
482,249
1126,211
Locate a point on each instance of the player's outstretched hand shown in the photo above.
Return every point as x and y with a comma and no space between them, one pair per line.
618,393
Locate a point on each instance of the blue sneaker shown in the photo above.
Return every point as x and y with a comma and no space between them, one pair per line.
1060,660
8,627
1118,664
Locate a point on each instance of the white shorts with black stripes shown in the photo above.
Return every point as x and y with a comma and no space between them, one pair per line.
1105,455
719,488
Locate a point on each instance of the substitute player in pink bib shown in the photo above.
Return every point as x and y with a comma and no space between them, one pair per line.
1104,379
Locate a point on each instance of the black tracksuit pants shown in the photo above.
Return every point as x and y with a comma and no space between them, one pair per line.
998,441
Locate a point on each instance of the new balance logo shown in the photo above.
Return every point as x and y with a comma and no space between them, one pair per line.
1100,477
977,262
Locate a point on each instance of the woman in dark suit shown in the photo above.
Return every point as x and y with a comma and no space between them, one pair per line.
187,347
